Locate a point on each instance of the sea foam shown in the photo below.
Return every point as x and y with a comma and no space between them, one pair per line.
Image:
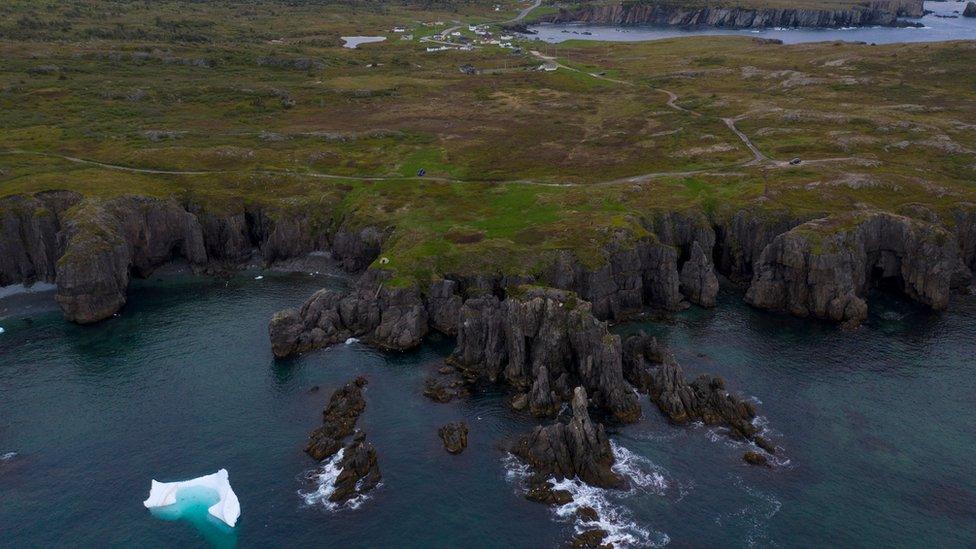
642,476
324,478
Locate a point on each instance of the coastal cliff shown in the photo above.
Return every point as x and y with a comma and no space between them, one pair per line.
90,248
876,13
824,268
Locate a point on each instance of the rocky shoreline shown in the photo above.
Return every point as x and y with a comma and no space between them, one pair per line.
820,267
884,13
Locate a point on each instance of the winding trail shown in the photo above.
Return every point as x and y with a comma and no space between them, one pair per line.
759,158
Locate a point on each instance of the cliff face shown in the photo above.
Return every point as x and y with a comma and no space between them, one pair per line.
877,13
91,248
544,342
824,268
29,227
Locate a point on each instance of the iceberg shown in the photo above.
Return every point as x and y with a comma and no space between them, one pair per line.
227,508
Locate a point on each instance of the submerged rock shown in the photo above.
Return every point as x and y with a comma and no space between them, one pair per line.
454,436
579,449
544,492
591,539
338,420
544,342
705,399
360,470
755,458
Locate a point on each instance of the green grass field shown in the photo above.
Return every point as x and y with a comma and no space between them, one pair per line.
519,162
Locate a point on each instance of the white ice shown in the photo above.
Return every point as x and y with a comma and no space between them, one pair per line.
227,509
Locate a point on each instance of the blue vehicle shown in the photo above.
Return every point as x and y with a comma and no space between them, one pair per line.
421,172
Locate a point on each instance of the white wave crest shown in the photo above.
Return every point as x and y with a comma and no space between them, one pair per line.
324,479
8,455
642,475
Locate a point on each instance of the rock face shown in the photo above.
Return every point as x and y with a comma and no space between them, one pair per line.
653,369
90,248
105,242
634,274
29,227
544,341
388,317
454,436
881,13
970,10
698,280
338,420
360,470
825,267
579,449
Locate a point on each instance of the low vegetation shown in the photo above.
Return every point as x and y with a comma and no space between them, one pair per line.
227,102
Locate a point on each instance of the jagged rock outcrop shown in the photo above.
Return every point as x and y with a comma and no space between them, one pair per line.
388,317
358,464
633,274
881,13
579,449
693,237
360,470
970,10
454,436
544,341
824,268
29,227
106,241
742,236
90,248
338,420
654,370
443,301
698,280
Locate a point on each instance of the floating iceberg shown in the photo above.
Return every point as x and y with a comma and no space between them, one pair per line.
227,508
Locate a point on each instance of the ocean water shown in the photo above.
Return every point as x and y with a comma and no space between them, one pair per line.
944,23
876,429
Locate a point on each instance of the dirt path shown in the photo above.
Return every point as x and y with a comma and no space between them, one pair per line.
759,158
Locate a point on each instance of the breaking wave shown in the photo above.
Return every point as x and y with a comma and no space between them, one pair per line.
324,478
642,475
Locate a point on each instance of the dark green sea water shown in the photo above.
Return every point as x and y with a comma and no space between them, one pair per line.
876,428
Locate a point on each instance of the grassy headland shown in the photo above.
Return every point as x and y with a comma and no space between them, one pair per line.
223,103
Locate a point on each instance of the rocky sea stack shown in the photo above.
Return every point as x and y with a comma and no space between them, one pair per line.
454,436
652,369
358,464
578,449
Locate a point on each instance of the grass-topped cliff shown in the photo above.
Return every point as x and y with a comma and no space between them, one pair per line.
519,163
